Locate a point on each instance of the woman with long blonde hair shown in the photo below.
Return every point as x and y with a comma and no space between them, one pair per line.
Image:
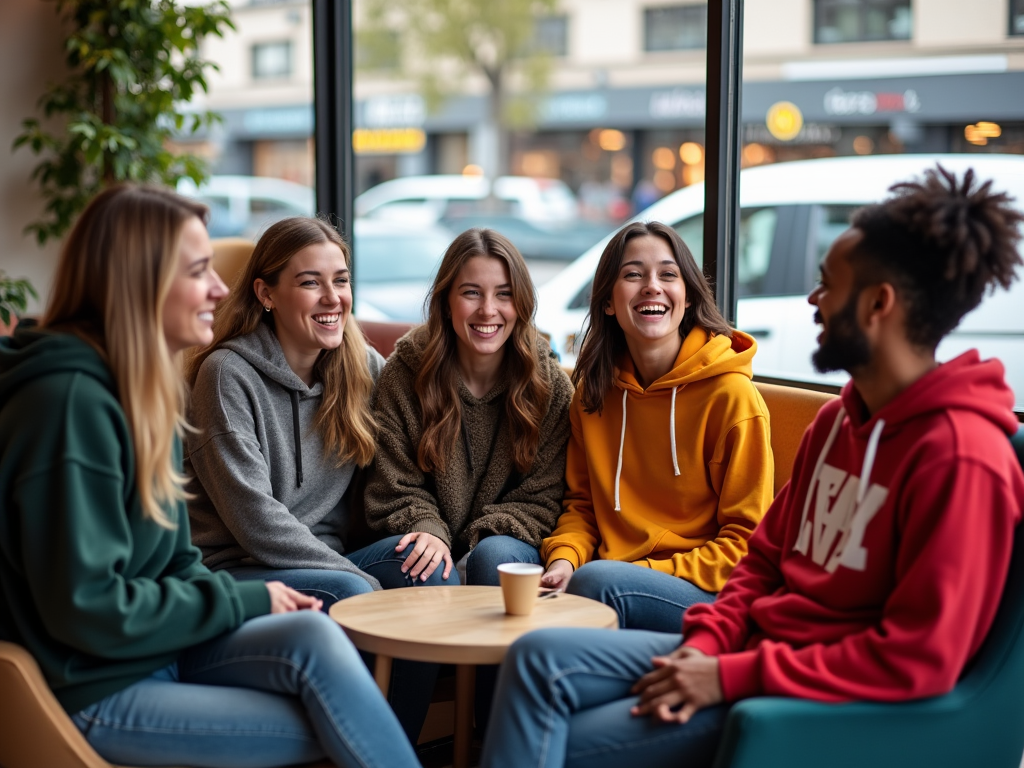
281,405
473,415
156,659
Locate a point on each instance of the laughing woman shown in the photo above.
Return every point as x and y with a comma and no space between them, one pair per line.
157,660
670,466
472,410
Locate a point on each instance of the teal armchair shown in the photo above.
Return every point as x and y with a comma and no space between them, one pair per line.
980,723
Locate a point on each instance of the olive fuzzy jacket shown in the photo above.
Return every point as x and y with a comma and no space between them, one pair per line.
480,493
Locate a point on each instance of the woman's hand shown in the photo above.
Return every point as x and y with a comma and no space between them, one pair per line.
428,553
557,576
685,677
284,599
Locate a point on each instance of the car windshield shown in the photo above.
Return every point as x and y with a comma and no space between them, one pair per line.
383,256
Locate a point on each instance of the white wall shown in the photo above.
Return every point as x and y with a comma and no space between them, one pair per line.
31,56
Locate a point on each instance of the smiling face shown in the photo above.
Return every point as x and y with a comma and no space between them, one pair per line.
311,302
194,293
649,296
482,311
842,344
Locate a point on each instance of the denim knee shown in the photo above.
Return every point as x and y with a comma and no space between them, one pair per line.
489,553
598,579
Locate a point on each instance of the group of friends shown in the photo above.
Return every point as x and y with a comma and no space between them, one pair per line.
191,476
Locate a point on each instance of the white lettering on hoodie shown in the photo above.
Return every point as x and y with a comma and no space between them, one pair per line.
833,534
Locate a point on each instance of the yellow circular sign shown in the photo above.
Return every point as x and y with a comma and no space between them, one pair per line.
784,120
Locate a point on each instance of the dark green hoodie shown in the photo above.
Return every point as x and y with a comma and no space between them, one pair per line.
99,594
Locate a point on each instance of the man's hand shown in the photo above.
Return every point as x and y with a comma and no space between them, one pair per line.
428,553
685,677
557,576
284,599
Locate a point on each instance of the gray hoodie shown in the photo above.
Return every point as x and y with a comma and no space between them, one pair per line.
261,496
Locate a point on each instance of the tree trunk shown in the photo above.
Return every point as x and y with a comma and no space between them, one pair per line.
107,116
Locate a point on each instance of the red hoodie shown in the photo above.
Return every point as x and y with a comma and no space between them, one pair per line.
880,594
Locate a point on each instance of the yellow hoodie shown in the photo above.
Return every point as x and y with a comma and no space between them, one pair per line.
674,477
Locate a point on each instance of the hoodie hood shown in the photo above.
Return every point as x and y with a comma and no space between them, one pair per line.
30,354
701,356
262,351
964,384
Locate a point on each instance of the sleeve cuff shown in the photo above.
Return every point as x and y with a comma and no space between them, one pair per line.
703,641
255,598
433,527
565,553
740,675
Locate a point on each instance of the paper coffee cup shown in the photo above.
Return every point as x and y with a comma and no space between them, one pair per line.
519,585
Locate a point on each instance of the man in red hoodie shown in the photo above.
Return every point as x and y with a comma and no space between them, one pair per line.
877,571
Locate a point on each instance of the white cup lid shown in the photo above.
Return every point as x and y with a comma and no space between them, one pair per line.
526,569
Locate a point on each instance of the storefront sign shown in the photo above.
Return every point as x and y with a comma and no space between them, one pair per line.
679,102
404,111
278,121
574,107
784,120
840,102
810,133
388,141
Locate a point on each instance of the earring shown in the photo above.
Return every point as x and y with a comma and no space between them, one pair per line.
266,308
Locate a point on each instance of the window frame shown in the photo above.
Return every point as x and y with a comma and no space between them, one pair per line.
1016,10
289,47
685,7
862,7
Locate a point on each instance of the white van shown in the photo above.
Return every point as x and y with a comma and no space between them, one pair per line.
244,206
790,214
425,199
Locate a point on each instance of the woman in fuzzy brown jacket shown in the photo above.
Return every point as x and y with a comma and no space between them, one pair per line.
473,415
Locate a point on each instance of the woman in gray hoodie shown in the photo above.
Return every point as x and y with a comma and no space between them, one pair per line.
280,403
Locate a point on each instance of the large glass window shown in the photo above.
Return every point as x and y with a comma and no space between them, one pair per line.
552,35
261,156
824,136
675,28
854,21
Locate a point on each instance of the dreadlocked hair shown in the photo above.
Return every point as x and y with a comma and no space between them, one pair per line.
941,243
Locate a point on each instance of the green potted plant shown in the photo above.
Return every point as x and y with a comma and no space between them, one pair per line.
14,295
132,64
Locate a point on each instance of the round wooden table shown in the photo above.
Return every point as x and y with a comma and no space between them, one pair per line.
464,626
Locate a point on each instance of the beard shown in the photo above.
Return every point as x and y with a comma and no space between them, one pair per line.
843,346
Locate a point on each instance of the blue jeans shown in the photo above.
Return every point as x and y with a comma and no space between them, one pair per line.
412,682
644,599
279,690
489,553
564,698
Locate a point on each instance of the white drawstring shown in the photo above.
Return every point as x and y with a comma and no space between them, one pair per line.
622,441
869,460
803,539
672,427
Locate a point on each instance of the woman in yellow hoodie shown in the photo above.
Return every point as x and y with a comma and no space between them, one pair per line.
669,465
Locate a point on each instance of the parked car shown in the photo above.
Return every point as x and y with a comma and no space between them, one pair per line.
558,241
425,199
394,268
244,206
790,214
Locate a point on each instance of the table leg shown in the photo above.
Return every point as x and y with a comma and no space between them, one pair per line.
465,688
382,673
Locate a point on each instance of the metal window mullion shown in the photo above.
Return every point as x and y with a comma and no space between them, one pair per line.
332,114
722,150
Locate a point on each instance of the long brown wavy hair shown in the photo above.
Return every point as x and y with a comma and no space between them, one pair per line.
114,274
437,379
344,419
603,340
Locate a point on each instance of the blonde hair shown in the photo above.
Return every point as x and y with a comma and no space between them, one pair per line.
344,419
436,383
114,274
